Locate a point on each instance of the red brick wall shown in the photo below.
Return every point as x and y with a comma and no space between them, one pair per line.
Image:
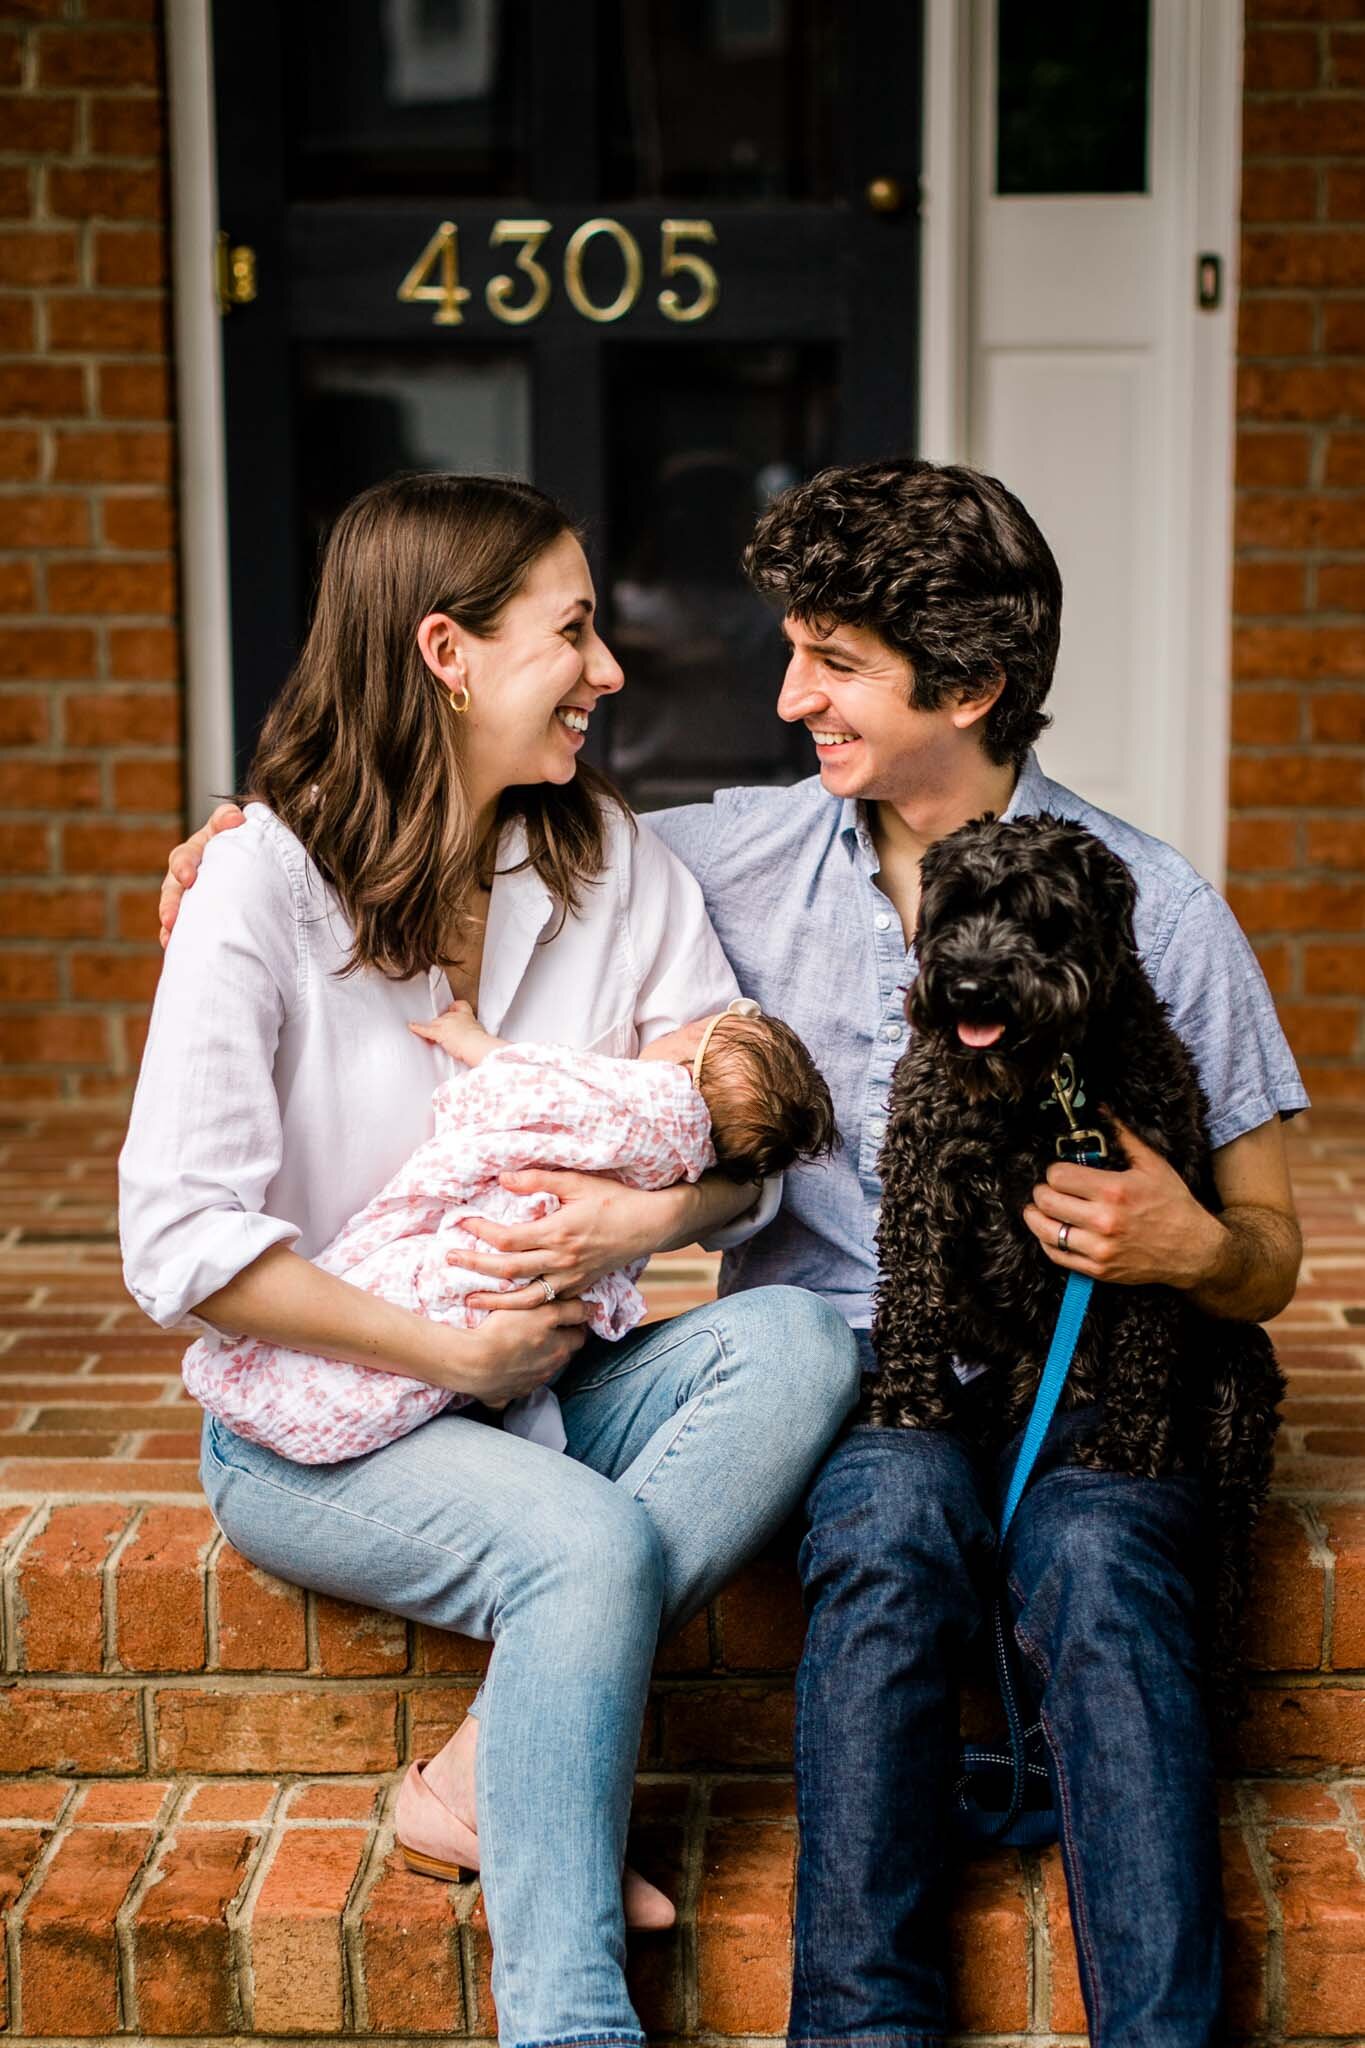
1297,830
90,781
90,772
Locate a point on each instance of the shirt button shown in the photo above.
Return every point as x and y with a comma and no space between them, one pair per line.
877,1128
883,921
892,1033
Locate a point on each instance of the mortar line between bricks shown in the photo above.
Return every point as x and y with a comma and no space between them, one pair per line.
1321,1552
1355,1824
312,1648
15,1923
109,1590
694,1865
1040,1945
242,1910
9,1582
213,1649
355,1993
124,1939
1249,1817
469,1975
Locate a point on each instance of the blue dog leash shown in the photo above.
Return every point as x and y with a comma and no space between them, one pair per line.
1087,1148
1061,1351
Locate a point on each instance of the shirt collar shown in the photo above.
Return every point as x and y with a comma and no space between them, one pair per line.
856,833
519,911
1031,791
1031,795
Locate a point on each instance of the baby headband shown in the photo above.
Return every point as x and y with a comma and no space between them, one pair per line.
742,1006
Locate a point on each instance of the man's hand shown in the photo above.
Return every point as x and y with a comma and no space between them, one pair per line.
1143,1227
184,865
601,1224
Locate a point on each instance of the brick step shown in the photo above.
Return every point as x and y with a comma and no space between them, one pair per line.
137,1640
240,1907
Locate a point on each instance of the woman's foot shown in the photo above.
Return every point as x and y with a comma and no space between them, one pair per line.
435,1825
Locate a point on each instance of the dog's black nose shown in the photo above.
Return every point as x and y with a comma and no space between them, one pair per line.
971,992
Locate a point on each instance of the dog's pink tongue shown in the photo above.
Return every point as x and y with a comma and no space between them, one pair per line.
979,1036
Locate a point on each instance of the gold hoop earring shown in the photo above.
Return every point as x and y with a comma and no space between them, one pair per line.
460,709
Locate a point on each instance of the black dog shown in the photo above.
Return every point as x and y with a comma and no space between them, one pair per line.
1029,978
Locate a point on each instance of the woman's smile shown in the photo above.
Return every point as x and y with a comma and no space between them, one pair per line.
574,717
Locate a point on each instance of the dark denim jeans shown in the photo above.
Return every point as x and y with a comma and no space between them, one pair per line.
897,1568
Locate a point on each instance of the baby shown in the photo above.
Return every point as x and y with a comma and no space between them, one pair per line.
743,1096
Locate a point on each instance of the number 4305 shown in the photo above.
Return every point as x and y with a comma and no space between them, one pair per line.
523,293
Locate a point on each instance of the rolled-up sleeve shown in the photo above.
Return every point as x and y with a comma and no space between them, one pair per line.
204,1140
1216,995
682,973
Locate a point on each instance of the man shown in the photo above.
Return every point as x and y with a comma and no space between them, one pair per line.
922,609
923,613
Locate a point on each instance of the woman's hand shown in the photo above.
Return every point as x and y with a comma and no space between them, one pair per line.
183,865
600,1224
511,1355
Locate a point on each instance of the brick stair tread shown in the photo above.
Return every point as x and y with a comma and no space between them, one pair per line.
255,1906
203,1662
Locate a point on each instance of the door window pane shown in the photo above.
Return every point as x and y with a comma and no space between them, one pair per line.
407,97
698,443
1071,102
361,414
720,99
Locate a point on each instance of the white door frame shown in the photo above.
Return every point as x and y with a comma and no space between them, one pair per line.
1200,348
201,426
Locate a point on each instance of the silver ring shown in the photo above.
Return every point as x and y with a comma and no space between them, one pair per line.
1062,1236
550,1294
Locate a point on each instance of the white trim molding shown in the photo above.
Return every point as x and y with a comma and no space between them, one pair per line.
945,231
1215,110
1195,142
205,617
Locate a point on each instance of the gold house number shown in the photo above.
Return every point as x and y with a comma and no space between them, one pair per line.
522,294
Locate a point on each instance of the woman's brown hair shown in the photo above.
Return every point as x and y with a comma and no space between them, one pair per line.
361,756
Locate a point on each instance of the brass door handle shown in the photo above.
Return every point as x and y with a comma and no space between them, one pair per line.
885,195
236,273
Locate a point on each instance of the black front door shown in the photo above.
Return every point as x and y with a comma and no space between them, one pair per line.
660,256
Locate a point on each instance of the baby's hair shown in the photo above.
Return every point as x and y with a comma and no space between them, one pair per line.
768,1100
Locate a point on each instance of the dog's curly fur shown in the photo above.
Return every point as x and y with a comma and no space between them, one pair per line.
1029,924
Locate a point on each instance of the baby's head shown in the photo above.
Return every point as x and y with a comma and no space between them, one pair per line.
768,1101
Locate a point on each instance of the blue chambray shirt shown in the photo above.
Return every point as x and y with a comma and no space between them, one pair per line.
789,877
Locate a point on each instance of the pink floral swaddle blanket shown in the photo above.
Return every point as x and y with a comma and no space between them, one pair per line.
523,1106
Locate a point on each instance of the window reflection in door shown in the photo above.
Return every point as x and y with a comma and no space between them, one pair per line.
720,99
699,443
364,414
1071,96
407,97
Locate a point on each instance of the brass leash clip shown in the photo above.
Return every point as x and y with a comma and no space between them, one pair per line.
1069,1096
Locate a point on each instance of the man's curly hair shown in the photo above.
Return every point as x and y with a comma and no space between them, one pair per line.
943,563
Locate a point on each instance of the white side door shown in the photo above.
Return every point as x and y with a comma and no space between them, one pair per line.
1095,386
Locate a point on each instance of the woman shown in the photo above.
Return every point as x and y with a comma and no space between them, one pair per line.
427,834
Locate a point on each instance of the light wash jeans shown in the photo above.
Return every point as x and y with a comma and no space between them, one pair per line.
689,1444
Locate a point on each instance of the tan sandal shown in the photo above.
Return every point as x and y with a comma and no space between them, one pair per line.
437,1843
